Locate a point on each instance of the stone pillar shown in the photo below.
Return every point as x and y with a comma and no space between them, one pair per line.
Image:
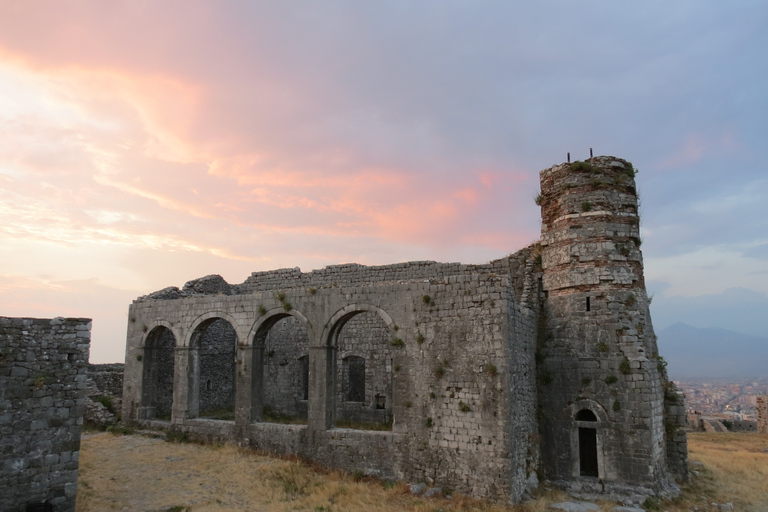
762,414
322,392
185,390
249,386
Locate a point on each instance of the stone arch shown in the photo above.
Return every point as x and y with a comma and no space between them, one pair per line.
359,342
158,360
279,341
589,420
212,342
341,317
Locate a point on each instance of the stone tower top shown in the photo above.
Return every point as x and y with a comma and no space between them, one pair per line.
590,226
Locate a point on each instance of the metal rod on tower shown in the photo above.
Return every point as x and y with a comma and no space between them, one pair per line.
569,158
590,152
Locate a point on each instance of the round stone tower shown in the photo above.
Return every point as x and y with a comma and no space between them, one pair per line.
600,381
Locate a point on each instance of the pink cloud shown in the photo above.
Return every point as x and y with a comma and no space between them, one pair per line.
698,145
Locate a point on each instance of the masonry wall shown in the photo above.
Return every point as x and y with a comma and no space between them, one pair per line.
452,357
43,371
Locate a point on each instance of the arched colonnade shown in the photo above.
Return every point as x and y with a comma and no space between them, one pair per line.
216,366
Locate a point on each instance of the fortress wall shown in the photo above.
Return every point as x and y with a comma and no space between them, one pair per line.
43,372
108,378
446,354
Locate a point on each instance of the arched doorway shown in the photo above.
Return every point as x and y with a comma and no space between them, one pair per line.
586,422
159,361
363,371
215,341
285,378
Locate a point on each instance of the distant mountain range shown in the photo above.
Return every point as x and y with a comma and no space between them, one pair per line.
712,353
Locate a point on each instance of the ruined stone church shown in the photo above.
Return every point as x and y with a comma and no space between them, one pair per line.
484,379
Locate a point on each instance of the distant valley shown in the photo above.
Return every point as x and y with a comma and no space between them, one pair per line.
712,353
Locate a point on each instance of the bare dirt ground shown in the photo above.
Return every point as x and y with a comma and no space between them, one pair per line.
145,474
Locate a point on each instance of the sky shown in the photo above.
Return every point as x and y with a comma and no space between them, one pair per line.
147,143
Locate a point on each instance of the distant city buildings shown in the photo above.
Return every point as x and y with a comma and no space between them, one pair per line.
734,399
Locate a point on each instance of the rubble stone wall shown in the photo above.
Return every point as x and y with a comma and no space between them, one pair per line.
43,372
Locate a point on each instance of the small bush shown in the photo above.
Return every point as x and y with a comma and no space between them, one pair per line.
630,301
409,404
491,369
616,406
537,199
312,291
281,296
439,372
602,346
611,379
586,381
580,166
287,306
624,367
262,310
429,422
464,407
432,395
177,436
106,401
587,206
139,357
397,342
420,339
357,475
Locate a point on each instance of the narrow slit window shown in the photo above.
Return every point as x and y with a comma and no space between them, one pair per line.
588,305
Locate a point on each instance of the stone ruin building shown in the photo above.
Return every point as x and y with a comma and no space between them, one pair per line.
483,379
43,365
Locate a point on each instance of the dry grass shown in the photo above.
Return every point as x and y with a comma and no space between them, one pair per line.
734,469
138,473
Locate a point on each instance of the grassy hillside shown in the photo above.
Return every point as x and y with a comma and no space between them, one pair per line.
146,474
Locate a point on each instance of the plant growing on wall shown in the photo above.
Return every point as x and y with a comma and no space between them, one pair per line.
624,366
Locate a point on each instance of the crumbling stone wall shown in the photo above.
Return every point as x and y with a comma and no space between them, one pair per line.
43,372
